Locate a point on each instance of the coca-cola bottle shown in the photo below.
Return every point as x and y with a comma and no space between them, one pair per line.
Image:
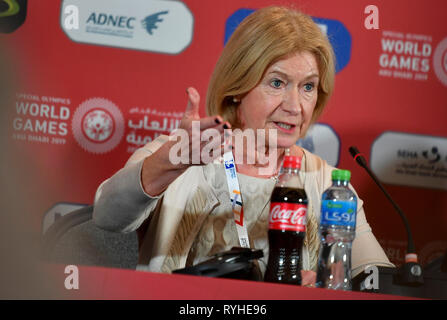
287,225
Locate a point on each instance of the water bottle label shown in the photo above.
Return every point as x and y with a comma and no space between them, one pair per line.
287,216
340,213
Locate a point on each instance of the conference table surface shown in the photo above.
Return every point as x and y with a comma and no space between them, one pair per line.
109,283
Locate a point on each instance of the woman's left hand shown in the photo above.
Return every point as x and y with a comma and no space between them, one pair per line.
308,278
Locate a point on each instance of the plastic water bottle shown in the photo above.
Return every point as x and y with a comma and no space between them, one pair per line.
337,231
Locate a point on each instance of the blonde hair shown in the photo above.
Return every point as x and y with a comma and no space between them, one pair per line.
264,37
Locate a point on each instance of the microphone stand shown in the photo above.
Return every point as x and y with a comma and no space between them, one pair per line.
410,273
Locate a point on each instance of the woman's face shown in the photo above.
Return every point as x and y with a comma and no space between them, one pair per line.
284,99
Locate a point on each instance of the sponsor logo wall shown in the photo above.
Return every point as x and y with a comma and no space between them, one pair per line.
101,78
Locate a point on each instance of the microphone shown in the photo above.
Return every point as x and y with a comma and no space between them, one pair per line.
410,273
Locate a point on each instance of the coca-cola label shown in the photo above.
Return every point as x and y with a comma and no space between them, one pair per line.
287,216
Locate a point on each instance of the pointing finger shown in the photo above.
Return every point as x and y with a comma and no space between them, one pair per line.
192,108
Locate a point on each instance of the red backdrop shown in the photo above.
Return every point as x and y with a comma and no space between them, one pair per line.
66,161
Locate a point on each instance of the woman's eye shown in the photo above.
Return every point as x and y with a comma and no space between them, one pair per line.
276,83
309,86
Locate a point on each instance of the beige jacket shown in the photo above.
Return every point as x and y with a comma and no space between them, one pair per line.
177,215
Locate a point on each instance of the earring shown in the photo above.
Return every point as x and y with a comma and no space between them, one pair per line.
236,100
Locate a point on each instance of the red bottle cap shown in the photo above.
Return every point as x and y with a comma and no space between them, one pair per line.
292,162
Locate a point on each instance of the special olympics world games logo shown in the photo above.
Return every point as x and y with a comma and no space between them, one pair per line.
440,61
98,125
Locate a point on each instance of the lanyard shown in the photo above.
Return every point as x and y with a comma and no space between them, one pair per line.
236,199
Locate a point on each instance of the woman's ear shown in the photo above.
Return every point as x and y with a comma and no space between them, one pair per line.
239,118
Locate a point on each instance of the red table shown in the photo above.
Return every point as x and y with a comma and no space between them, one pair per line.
108,283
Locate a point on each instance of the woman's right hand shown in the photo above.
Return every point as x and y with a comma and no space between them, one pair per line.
162,167
200,136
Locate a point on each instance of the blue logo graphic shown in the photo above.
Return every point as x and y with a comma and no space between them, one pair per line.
229,164
149,23
307,143
338,35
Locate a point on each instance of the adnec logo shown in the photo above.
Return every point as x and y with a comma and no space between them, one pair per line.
156,25
98,125
338,35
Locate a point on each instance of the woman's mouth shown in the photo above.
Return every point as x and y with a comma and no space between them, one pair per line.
285,127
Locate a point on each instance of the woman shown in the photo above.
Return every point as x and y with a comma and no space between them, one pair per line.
275,73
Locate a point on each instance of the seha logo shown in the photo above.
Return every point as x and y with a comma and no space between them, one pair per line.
287,216
440,61
156,25
410,159
98,125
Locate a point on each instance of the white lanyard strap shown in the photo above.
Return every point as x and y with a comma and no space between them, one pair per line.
236,199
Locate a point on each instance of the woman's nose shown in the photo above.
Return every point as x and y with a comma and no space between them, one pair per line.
292,102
